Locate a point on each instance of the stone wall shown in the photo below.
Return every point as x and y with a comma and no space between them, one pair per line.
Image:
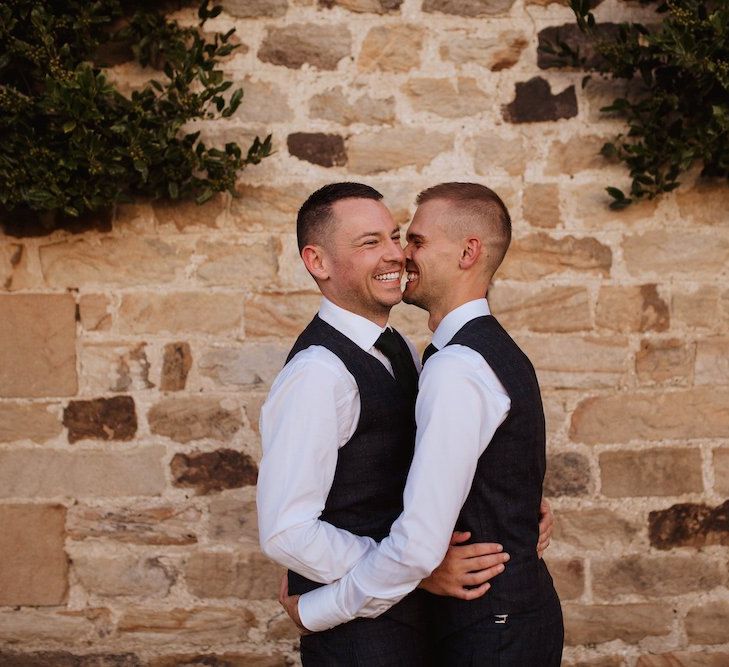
133,361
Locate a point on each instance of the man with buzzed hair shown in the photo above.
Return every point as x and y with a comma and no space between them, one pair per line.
480,425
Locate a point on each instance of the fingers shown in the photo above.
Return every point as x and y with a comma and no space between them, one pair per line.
283,589
460,536
475,550
482,576
485,562
472,593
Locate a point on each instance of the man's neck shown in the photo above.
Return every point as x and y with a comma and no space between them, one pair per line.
439,311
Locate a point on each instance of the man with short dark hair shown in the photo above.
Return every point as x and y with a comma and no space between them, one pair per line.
480,425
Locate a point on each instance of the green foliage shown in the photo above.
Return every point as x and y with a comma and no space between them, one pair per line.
680,114
73,144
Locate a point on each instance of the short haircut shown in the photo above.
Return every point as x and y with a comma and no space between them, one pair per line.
479,209
315,214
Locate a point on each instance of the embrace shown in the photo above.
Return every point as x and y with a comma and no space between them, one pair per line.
408,507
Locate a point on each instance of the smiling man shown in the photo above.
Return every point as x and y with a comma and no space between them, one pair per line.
481,433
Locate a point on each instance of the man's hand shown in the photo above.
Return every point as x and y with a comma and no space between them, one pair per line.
290,603
469,565
546,527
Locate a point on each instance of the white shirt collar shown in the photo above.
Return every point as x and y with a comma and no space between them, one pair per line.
358,329
452,323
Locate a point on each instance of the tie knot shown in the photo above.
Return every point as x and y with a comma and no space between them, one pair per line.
388,344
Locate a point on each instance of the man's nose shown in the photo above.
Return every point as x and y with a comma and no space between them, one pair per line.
395,251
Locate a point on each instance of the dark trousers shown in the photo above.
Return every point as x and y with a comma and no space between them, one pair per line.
532,639
369,642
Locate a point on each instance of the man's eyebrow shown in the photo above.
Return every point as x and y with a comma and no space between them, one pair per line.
413,235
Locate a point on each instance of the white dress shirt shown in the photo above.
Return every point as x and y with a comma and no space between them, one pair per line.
311,411
460,405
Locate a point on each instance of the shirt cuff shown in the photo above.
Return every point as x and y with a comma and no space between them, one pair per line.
319,610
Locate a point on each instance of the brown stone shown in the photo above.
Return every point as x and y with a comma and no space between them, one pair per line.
537,255
498,52
534,103
198,312
225,263
676,253
321,46
222,660
66,659
655,576
634,308
555,412
334,105
684,659
37,345
470,8
326,150
176,364
492,153
263,102
29,421
186,214
123,574
558,309
30,473
34,565
265,208
25,626
541,205
571,34
251,365
114,366
390,149
101,419
248,575
651,472
251,9
708,623
592,529
661,361
680,415
292,274
106,260
94,312
601,660
721,470
391,48
595,624
135,524
698,308
576,154
568,575
15,268
372,6
190,418
279,315
233,519
689,525
705,203
712,362
564,362
568,474
213,471
442,98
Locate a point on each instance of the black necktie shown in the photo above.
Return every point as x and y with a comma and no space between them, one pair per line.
429,352
401,360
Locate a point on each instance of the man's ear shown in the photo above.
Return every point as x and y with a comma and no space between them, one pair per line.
314,261
470,252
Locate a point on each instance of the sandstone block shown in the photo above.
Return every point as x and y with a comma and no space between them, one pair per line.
574,155
114,366
15,269
555,412
712,362
263,102
684,659
292,274
253,404
655,576
704,203
66,659
628,308
568,474
123,574
707,624
534,103
576,361
248,575
676,253
698,308
138,523
251,9
198,312
592,529
321,46
558,309
213,471
233,519
35,567
664,361
443,98
595,624
568,575
498,52
37,352
101,419
25,626
390,149
373,6
391,48
38,422
334,105
94,312
276,314
601,660
537,255
721,470
469,8
541,205
680,415
268,208
689,525
188,214
326,150
250,365
493,152
193,418
225,263
653,472
176,364
41,474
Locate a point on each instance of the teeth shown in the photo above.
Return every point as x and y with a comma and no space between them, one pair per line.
412,276
388,276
